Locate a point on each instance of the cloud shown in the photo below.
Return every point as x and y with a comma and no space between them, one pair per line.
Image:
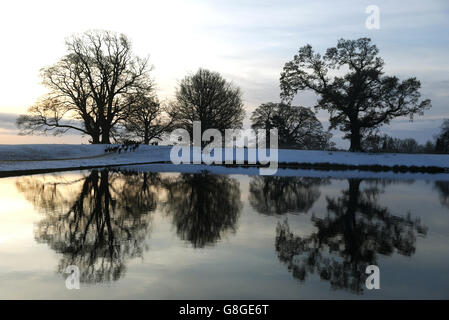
8,128
247,41
8,122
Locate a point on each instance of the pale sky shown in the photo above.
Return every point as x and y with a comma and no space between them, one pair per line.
247,41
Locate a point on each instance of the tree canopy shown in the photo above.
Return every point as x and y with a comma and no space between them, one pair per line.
297,127
148,119
207,97
350,83
90,88
442,141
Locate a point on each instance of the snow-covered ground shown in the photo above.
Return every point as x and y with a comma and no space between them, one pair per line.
42,157
49,151
351,158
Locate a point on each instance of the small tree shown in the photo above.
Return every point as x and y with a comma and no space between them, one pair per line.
442,141
429,147
147,118
207,97
297,127
350,84
384,143
373,142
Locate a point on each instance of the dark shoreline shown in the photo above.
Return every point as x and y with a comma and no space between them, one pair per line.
282,165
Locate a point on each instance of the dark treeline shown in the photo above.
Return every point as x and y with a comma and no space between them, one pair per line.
385,143
102,90
105,92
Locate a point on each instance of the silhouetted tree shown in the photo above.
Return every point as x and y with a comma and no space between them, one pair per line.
147,119
442,141
374,142
279,195
429,147
297,127
205,96
90,87
96,222
355,231
203,207
360,100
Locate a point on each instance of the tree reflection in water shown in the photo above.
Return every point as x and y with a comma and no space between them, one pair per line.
97,222
101,220
443,189
355,231
274,195
203,206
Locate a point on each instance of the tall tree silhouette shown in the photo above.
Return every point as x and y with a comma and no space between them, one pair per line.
352,236
358,101
90,89
442,139
203,207
279,195
97,222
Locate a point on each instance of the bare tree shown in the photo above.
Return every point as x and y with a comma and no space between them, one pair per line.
46,116
90,88
207,97
148,118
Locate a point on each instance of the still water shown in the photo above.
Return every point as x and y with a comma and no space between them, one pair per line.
157,235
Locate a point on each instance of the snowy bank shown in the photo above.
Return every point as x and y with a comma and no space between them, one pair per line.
33,158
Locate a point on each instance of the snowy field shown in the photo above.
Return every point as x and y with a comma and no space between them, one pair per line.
42,157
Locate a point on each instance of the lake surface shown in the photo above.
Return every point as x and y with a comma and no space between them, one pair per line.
150,235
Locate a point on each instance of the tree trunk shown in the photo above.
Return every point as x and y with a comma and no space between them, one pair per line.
350,215
105,139
355,140
95,138
146,138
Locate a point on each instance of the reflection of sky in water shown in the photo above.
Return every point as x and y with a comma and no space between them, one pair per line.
235,258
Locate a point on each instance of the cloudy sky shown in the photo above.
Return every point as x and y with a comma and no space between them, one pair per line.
247,41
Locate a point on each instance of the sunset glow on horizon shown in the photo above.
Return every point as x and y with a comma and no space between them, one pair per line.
247,42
